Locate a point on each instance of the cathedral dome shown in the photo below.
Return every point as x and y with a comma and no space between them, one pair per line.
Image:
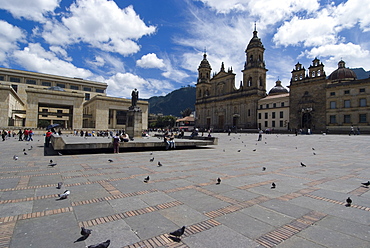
342,73
255,41
278,89
204,63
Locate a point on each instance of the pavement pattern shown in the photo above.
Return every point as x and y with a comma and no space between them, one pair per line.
306,209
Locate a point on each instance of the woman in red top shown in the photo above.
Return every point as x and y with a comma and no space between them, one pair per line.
47,138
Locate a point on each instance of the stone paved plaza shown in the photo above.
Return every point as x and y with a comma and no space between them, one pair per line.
306,209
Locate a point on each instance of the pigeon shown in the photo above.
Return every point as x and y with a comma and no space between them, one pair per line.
60,154
146,179
24,149
151,153
263,168
65,194
53,164
110,160
25,153
303,165
159,164
349,202
366,184
178,232
15,157
85,232
59,185
224,150
30,148
51,161
314,153
273,185
254,150
313,149
152,159
218,180
239,150
101,245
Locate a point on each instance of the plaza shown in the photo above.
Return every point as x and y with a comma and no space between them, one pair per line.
306,209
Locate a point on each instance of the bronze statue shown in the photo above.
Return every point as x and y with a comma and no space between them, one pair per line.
134,97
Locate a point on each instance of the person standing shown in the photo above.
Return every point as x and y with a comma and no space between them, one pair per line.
3,135
20,133
116,143
47,138
260,135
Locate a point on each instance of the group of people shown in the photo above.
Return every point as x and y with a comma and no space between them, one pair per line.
169,139
119,137
25,135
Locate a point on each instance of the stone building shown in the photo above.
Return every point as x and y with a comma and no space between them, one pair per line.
219,104
35,100
273,110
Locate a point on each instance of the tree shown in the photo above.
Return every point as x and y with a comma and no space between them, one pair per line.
166,121
186,112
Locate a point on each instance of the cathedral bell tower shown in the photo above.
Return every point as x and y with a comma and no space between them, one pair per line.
254,73
203,86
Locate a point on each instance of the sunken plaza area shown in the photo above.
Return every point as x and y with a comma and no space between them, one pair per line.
306,209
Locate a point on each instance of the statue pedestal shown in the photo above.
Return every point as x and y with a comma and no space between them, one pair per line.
134,125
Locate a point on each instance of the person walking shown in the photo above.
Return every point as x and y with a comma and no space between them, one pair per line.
116,143
260,135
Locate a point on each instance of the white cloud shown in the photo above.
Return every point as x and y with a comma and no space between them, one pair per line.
32,10
100,23
36,58
9,36
122,84
150,60
60,52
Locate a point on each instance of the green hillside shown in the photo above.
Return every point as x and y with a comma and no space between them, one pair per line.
174,102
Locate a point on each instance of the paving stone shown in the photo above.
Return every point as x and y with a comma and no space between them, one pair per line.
183,215
286,208
12,209
127,204
295,242
92,211
220,236
266,215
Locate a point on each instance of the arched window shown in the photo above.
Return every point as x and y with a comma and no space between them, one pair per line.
300,76
313,74
200,93
318,73
260,81
251,58
250,82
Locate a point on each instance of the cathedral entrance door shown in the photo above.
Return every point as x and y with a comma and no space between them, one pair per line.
306,120
221,121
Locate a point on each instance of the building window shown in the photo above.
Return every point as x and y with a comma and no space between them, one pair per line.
266,124
99,90
333,119
249,112
87,96
44,111
259,116
332,93
15,80
2,78
46,83
61,85
73,87
87,89
363,102
362,118
274,105
60,112
15,87
347,103
266,115
282,104
346,92
281,114
347,118
362,90
273,115
30,81
281,123
267,106
260,106
273,123
333,105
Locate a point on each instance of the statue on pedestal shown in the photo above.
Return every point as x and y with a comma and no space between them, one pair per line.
134,97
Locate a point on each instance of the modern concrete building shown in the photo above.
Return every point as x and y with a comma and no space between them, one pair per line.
36,100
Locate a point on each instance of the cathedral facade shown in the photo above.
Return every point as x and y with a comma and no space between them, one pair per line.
219,104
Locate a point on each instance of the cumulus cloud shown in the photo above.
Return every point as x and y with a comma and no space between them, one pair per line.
31,10
122,84
150,60
9,37
35,58
102,24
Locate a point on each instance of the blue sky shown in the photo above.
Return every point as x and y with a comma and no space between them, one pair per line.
156,46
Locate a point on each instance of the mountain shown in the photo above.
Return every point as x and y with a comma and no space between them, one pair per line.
361,73
173,103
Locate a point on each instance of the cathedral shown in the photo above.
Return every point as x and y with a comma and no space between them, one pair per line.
219,104
315,102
